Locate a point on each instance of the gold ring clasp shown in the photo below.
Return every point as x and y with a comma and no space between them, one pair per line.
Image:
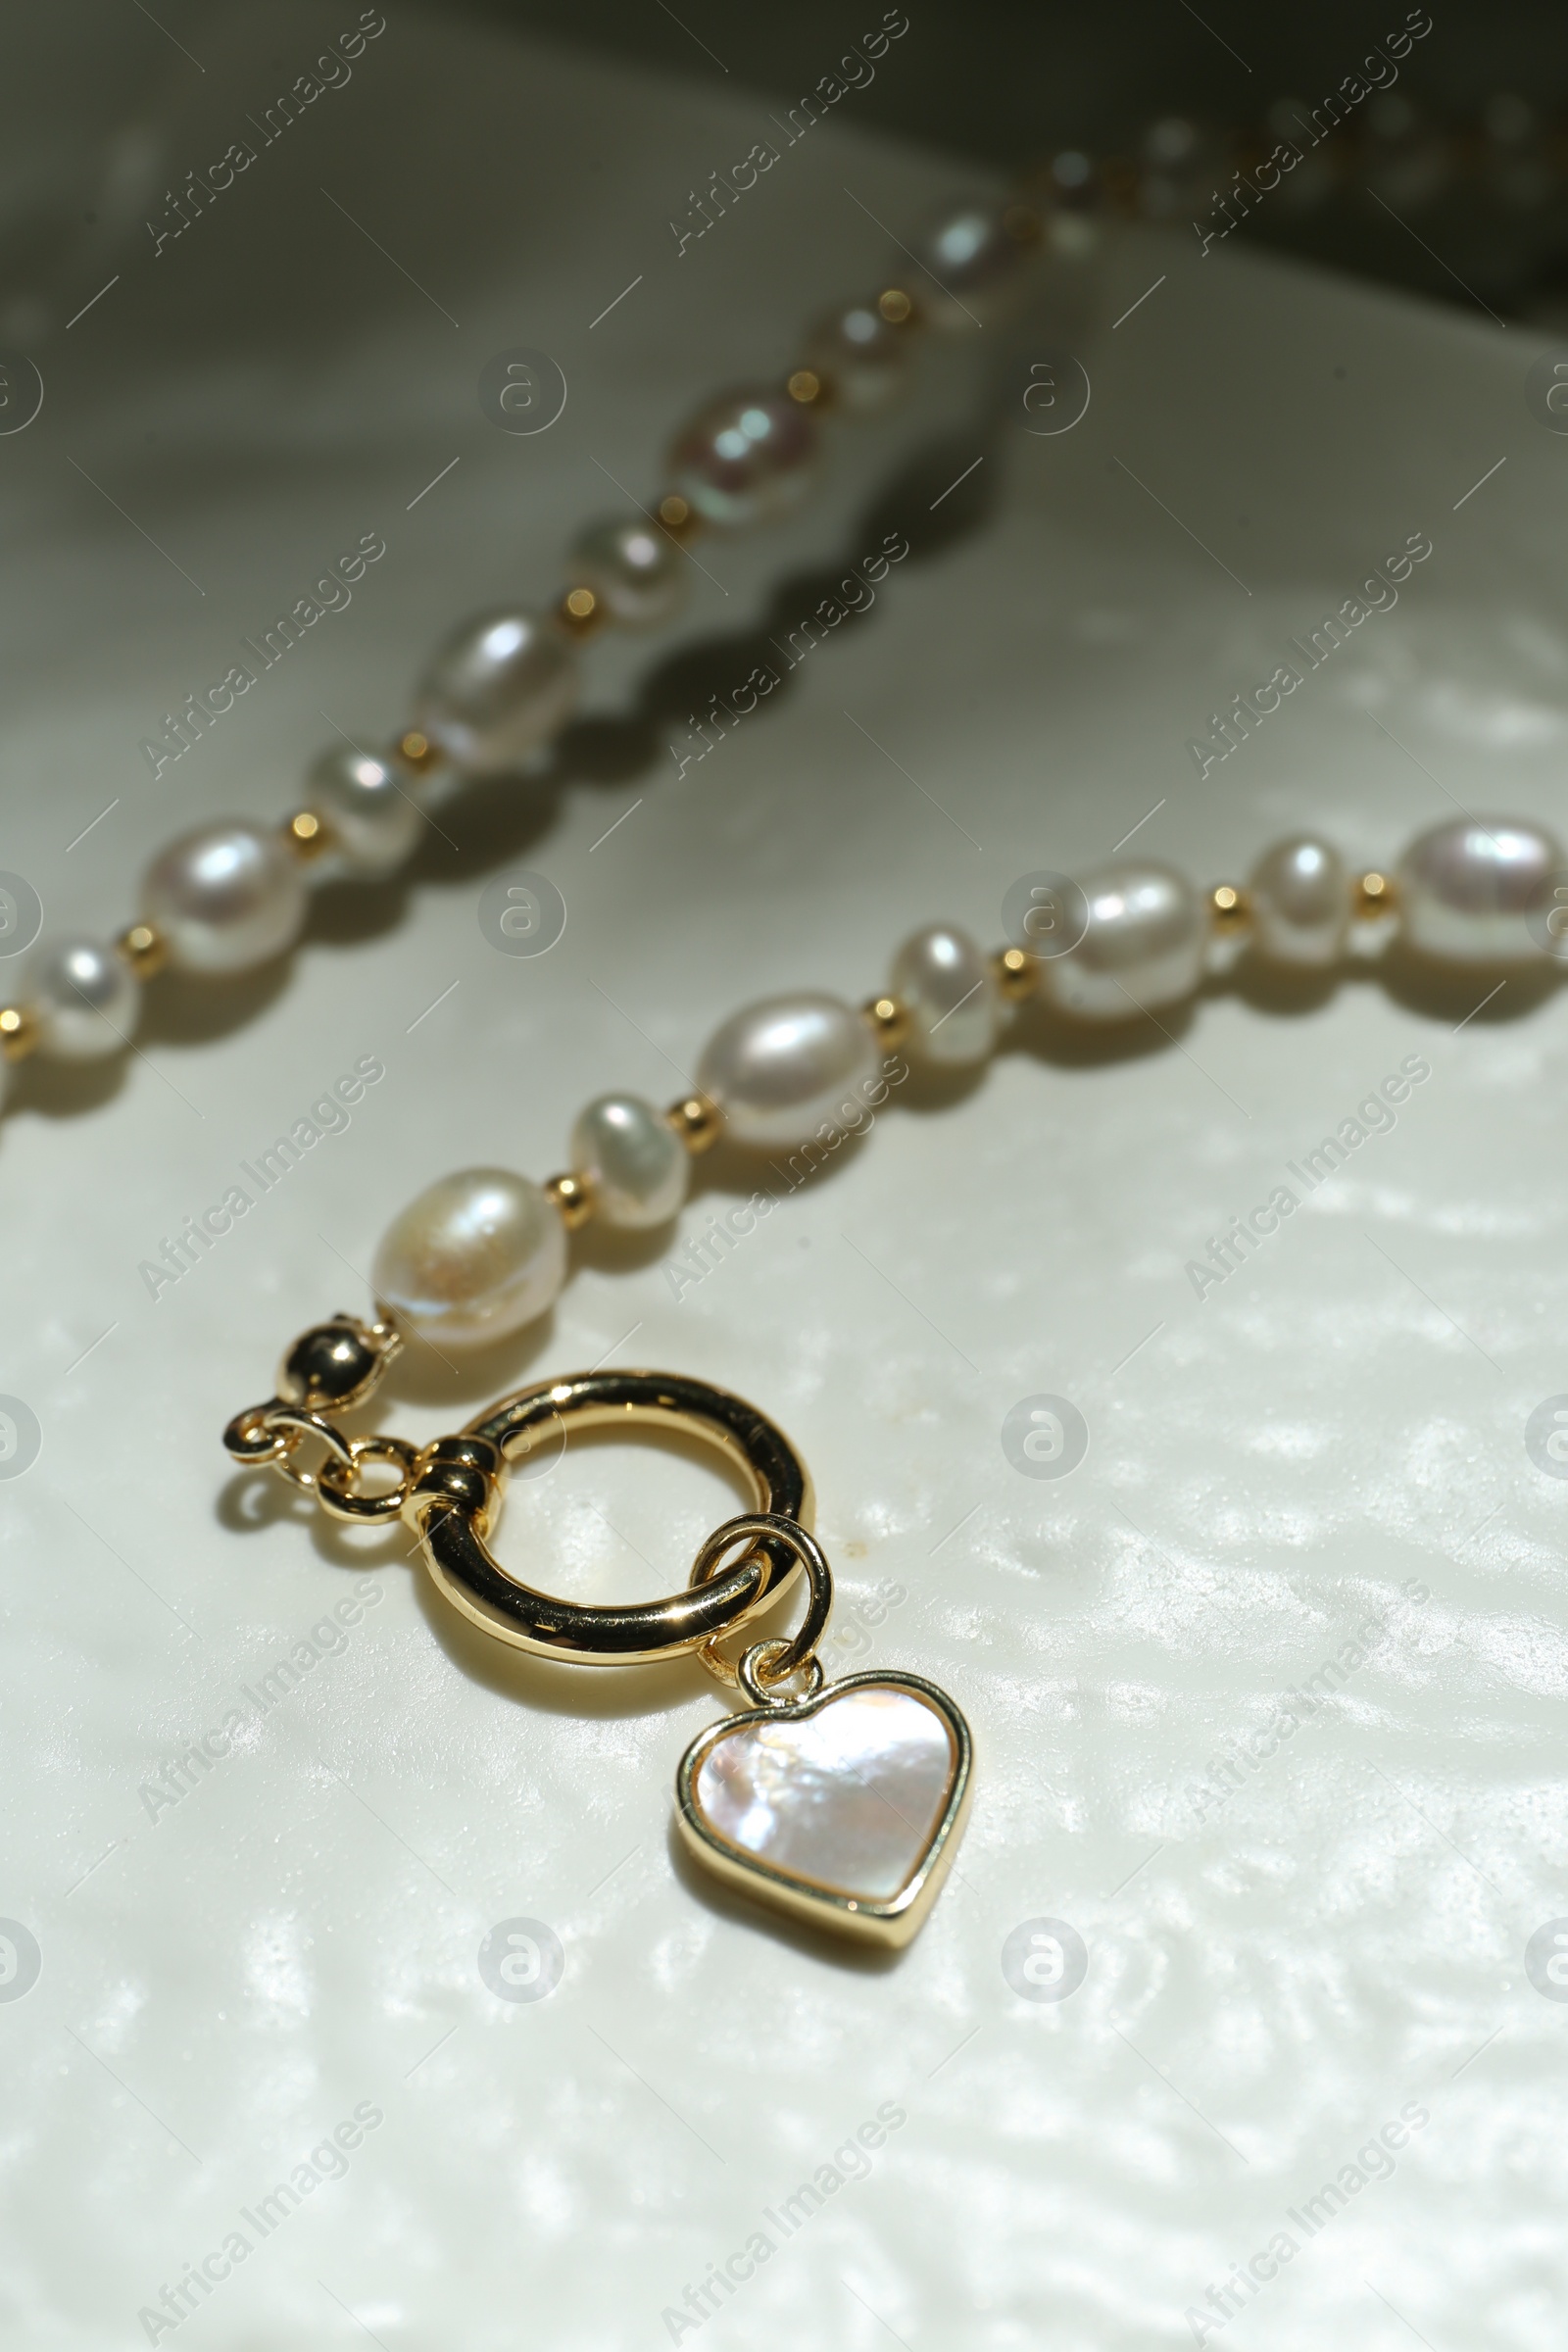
460,1482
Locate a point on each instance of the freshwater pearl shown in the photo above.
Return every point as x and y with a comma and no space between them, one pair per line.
637,573
980,266
859,356
84,999
476,1257
499,687
635,1165
1300,898
372,818
747,456
1144,945
946,986
847,1798
226,897
780,1070
1467,888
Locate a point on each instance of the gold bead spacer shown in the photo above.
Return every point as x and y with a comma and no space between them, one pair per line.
895,307
678,515
1373,894
1230,907
144,948
888,1020
307,835
698,1122
580,612
1015,972
19,1032
569,1196
811,389
417,751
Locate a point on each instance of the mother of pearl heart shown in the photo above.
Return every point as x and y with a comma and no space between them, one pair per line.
839,1807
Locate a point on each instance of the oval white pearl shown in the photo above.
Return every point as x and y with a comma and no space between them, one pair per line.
476,1257
946,986
1466,890
499,687
372,818
225,896
1144,945
781,1069
859,356
637,573
635,1165
84,999
1300,898
980,267
745,457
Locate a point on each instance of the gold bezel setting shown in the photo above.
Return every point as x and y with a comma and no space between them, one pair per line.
889,1922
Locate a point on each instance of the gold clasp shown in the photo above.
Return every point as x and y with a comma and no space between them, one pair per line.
448,1492
329,1369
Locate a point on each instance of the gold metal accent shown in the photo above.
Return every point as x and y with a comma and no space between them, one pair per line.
19,1032
1373,894
888,1019
895,307
417,751
1230,907
307,834
285,1425
459,1484
1015,972
329,1369
698,1122
569,1196
580,612
767,1664
806,387
449,1491
888,1924
144,948
678,515
333,1482
334,1366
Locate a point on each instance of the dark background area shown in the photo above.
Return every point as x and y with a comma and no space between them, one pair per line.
1469,150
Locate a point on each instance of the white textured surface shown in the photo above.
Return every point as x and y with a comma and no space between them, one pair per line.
1268,1984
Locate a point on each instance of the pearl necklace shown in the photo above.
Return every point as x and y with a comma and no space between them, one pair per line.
839,1802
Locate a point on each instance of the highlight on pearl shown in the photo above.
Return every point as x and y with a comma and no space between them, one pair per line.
84,1000
475,1257
1468,890
634,1164
1143,947
745,457
224,898
372,818
636,571
781,1069
945,985
861,357
1301,895
499,687
980,266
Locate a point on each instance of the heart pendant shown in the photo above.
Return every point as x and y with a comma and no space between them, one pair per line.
845,1808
